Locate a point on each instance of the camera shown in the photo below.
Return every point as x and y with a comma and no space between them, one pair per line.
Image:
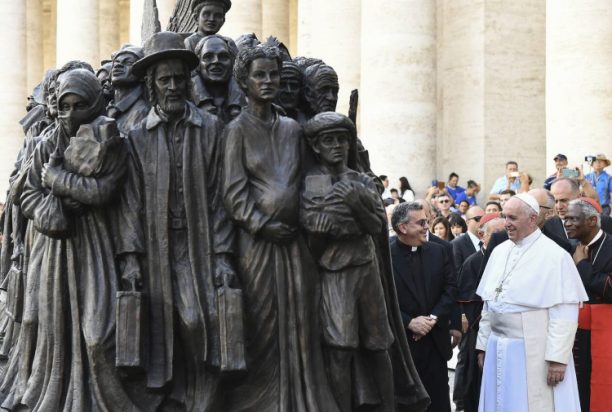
572,173
589,159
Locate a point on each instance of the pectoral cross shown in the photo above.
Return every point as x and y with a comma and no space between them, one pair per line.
498,290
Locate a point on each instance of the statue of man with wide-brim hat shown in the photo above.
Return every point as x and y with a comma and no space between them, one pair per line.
174,237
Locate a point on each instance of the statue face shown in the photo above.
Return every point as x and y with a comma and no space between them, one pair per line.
73,112
263,80
170,86
289,93
52,100
325,96
211,18
215,62
332,147
121,73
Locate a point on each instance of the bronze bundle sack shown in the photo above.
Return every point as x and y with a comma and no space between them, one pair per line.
50,218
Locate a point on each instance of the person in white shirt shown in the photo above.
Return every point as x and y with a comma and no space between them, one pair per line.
532,293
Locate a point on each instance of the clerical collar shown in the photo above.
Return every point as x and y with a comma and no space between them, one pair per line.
596,238
529,239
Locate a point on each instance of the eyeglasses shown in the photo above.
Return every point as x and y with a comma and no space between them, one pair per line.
443,201
476,218
422,222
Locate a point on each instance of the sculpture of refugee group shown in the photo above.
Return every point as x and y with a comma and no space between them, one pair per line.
193,228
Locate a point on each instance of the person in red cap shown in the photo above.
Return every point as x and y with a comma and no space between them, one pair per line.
593,258
471,305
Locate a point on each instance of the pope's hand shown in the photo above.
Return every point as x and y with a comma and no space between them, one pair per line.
481,357
556,373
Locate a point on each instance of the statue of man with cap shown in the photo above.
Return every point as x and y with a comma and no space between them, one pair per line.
129,106
290,92
174,237
532,293
341,211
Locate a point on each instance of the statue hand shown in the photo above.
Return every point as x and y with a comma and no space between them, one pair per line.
49,175
278,232
72,204
224,271
322,224
131,277
348,191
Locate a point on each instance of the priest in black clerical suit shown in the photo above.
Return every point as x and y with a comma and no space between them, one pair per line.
427,290
593,258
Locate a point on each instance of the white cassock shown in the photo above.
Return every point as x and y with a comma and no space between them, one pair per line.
532,293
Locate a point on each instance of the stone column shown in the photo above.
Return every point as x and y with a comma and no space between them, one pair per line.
491,89
398,88
578,79
136,10
165,9
304,28
13,92
243,17
108,29
293,27
77,31
49,33
34,42
275,20
335,37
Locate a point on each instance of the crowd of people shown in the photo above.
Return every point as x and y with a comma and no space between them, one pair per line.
529,275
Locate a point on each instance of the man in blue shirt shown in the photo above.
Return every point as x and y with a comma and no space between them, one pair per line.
510,181
601,181
469,194
452,186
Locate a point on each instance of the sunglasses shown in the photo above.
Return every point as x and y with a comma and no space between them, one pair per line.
476,218
444,201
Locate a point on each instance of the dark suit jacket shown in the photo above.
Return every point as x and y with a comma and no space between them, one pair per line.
455,321
441,294
462,249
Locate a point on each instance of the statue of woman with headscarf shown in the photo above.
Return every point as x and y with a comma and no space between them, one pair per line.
68,362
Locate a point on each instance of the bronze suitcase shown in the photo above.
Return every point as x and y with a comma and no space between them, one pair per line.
14,294
130,312
231,328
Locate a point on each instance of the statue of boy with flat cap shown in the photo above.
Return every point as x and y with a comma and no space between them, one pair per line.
210,16
360,321
174,236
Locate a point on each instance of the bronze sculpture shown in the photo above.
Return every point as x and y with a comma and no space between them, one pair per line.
342,212
179,246
183,255
214,87
278,276
128,105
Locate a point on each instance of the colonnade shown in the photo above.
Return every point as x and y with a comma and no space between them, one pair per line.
445,85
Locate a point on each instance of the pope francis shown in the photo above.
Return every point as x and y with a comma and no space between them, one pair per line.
532,293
